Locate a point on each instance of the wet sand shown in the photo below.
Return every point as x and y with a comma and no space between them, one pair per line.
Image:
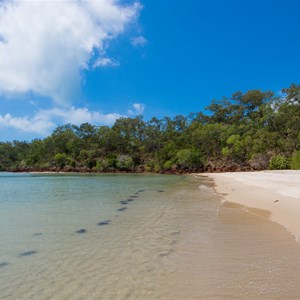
275,193
225,252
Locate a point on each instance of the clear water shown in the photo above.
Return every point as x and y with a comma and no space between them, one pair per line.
174,241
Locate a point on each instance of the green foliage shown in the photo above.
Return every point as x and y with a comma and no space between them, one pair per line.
189,159
124,162
279,162
112,161
102,165
168,165
157,168
226,152
295,163
245,129
61,159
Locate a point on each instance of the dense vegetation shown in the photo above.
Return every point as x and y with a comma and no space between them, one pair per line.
249,131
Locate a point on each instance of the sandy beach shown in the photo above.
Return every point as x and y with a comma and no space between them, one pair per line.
275,193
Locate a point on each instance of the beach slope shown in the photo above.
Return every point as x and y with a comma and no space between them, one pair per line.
277,192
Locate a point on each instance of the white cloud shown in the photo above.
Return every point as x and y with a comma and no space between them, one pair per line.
78,116
136,109
25,124
139,41
44,45
44,121
105,62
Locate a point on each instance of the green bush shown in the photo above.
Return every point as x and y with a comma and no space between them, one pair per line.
226,151
168,165
61,159
101,165
150,165
112,161
279,162
157,168
124,162
189,159
295,163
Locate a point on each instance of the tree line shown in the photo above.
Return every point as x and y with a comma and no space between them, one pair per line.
255,130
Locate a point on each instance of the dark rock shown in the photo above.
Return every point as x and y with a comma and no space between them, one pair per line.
122,209
4,264
124,202
175,233
129,200
28,253
160,191
68,169
37,234
80,231
105,222
259,162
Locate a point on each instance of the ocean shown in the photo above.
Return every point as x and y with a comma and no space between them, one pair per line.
127,236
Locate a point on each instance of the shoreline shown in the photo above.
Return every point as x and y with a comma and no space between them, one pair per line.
274,195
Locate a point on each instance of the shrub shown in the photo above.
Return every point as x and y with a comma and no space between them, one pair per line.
279,162
150,165
295,163
61,159
168,165
157,168
226,151
124,162
102,165
189,159
112,161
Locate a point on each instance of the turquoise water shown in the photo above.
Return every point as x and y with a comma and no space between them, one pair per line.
52,246
66,236
38,207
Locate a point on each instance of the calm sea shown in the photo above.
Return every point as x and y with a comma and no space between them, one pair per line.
68,236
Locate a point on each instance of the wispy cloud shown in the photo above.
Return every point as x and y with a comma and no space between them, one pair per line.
44,45
136,109
44,121
139,41
25,124
105,62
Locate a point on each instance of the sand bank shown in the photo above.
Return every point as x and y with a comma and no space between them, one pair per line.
276,192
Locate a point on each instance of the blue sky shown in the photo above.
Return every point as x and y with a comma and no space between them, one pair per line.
94,61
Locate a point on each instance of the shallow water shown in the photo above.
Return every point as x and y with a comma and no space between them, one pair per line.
64,237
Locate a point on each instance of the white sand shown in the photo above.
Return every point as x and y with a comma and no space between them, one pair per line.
275,191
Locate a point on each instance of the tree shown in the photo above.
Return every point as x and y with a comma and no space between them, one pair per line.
61,159
189,159
248,129
125,163
8,156
295,163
